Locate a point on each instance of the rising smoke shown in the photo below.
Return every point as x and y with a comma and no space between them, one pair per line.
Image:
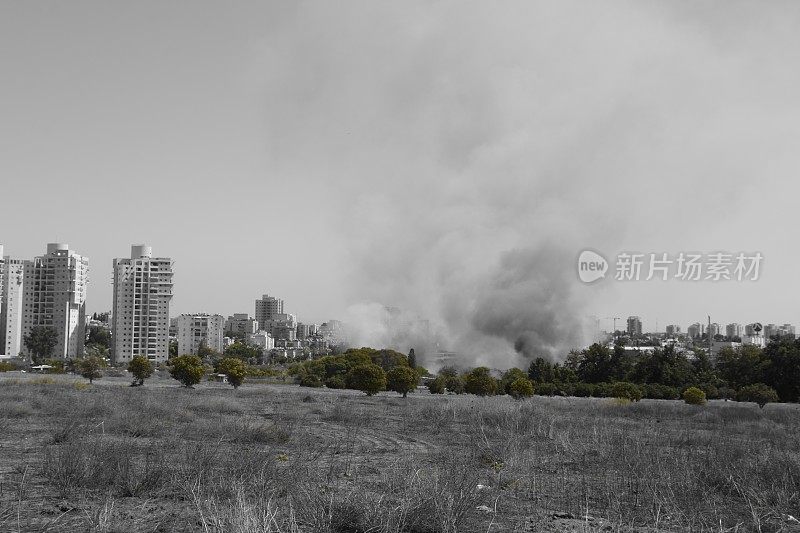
471,150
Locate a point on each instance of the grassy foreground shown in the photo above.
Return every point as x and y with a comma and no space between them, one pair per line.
271,458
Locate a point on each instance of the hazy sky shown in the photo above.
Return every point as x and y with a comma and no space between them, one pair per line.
408,153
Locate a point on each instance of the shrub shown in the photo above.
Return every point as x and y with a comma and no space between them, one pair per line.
510,376
583,390
480,382
90,367
546,389
401,379
369,378
603,390
6,366
141,368
758,393
727,393
308,379
454,384
235,369
694,396
521,388
626,391
335,382
657,391
437,385
188,369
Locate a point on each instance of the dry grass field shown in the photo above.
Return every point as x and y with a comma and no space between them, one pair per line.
279,458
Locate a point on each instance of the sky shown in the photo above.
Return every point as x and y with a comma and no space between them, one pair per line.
449,158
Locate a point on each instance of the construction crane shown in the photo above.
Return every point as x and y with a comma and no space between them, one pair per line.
614,318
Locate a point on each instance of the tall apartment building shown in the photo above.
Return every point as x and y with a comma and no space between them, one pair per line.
770,330
54,295
714,329
787,330
673,330
267,308
140,317
12,285
195,330
634,326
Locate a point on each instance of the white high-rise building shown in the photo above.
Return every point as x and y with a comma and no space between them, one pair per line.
140,317
199,329
12,284
54,295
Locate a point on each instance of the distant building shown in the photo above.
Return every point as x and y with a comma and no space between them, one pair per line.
242,324
696,330
267,308
12,286
733,331
200,329
634,326
786,331
714,329
140,323
673,330
262,339
54,295
282,326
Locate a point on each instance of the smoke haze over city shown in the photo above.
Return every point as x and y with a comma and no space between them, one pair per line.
447,159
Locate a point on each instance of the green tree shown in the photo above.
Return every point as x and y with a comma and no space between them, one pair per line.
412,359
437,385
520,388
234,368
454,384
173,349
783,369
141,368
401,379
91,367
694,396
540,371
480,382
594,365
206,353
759,393
187,369
99,336
243,351
510,376
40,341
369,379
742,366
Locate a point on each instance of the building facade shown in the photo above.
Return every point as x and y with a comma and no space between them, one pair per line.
241,324
12,279
733,331
54,295
267,308
198,330
634,326
140,317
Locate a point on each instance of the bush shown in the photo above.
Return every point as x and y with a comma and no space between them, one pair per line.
520,388
308,379
90,367
335,382
510,376
694,396
6,366
369,378
437,385
547,389
480,382
188,369
727,393
234,369
402,379
141,368
758,393
603,390
657,391
626,391
454,384
583,390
